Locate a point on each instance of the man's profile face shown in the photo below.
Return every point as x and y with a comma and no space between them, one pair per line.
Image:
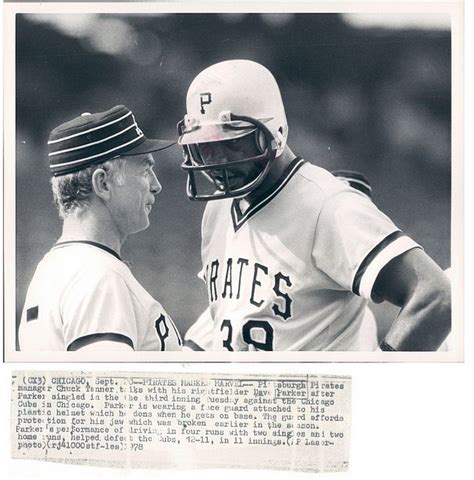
229,151
132,197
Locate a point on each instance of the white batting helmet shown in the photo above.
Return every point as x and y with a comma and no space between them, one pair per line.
226,101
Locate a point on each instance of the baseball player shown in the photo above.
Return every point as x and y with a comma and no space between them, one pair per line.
83,296
290,254
199,335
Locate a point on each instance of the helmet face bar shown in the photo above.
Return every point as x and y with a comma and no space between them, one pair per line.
193,163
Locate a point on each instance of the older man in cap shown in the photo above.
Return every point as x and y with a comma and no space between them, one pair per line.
83,296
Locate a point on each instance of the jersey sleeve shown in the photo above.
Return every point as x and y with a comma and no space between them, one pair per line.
354,240
98,308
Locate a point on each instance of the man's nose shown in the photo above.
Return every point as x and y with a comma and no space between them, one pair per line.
155,185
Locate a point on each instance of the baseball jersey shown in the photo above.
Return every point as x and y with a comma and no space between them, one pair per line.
199,336
82,290
295,270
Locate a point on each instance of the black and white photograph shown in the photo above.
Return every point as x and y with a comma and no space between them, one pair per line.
233,184
237,240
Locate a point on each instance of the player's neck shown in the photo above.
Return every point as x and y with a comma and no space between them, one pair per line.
277,169
90,227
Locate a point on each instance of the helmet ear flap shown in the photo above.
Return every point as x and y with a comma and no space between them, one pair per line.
260,141
280,136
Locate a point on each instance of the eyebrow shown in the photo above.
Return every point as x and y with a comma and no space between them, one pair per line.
149,161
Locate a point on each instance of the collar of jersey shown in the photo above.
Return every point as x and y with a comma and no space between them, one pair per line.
239,218
89,242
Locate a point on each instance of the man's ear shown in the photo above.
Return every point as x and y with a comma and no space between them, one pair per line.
101,184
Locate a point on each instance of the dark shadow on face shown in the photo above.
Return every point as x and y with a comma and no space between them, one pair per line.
230,151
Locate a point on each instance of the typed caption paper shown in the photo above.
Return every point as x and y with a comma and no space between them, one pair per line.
152,420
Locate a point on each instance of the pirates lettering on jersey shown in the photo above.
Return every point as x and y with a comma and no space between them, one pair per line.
234,278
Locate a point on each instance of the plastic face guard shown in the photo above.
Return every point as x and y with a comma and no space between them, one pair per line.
193,164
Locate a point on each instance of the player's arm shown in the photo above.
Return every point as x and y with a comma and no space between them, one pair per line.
414,282
361,249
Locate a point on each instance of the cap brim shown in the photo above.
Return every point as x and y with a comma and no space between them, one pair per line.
150,145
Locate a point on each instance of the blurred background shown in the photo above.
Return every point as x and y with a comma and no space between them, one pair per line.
363,92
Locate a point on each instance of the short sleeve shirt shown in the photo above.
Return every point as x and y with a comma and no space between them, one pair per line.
82,290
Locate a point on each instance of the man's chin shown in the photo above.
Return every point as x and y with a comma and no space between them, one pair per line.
140,228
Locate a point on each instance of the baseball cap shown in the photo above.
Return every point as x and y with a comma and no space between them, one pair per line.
96,137
355,180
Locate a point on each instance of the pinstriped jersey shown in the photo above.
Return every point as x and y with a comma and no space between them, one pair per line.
295,270
82,291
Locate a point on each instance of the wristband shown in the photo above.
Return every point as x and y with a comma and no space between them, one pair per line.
384,346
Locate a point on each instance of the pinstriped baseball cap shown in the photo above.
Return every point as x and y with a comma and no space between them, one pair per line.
95,138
